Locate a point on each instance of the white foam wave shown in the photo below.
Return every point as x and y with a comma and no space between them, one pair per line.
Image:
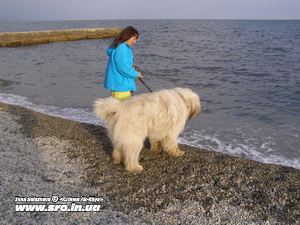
81,115
235,147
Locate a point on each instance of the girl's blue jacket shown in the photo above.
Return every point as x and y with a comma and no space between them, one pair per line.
120,74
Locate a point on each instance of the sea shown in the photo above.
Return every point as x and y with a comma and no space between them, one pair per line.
246,72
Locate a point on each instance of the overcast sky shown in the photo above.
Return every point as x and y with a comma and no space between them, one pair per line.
148,9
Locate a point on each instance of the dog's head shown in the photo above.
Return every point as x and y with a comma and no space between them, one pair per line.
191,100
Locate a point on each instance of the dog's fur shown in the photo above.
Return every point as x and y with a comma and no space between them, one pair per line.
160,116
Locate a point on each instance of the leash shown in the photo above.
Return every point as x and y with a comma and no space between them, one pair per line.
143,82
149,89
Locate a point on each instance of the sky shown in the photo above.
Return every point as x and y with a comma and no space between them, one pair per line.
31,10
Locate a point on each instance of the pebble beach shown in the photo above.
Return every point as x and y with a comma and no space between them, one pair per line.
43,155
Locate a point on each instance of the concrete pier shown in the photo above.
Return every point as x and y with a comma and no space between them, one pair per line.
39,37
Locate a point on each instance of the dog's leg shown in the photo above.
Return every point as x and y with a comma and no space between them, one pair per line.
155,146
116,155
171,147
131,157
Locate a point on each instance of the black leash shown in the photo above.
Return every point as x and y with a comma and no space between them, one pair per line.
149,89
143,82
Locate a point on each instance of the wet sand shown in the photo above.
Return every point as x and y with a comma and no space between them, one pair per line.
44,156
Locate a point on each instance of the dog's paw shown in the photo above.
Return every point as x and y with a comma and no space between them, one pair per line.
155,147
135,169
155,150
176,153
116,161
116,157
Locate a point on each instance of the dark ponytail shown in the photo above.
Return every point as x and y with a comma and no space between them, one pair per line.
125,35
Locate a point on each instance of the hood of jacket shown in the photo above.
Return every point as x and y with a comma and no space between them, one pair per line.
109,51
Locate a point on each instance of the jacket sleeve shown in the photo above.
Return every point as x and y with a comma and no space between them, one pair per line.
123,63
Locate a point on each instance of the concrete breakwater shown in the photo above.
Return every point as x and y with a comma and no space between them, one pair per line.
39,37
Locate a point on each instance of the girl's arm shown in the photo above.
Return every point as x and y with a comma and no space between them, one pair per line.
122,60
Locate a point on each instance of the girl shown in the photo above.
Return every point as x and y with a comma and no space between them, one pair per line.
120,73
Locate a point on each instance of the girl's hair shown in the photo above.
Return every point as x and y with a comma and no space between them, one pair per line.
125,34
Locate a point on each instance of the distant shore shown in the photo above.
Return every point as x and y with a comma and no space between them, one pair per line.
9,39
43,156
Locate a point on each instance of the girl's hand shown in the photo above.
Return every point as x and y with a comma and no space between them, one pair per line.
140,75
136,67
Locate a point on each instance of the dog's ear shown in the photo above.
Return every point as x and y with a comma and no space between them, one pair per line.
191,100
195,106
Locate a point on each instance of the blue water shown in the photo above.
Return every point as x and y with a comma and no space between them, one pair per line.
246,72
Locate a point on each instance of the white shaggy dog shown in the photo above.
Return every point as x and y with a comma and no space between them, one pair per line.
160,116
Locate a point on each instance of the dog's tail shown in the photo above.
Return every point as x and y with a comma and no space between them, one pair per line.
106,108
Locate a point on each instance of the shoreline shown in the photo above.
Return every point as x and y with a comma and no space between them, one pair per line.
202,187
85,116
